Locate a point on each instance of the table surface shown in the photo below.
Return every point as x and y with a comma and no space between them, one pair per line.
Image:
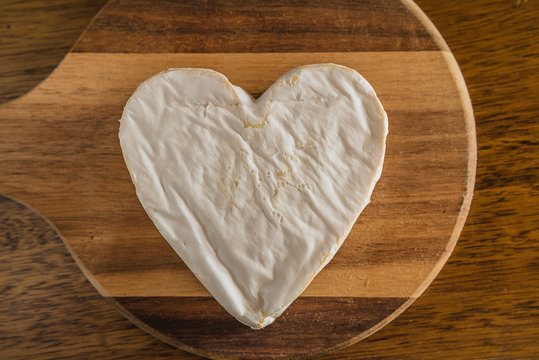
484,303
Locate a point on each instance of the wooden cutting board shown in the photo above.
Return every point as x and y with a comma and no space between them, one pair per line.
60,153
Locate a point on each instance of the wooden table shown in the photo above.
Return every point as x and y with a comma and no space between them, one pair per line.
484,303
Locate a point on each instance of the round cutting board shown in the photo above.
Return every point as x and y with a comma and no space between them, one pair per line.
62,155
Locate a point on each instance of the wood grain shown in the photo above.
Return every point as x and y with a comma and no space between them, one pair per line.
255,26
35,36
48,308
202,323
484,302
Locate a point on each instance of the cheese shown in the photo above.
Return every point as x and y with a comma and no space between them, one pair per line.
255,196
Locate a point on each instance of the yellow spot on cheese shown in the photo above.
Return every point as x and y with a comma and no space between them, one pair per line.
264,315
247,124
224,191
324,259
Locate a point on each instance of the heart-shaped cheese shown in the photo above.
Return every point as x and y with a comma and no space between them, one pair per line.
256,196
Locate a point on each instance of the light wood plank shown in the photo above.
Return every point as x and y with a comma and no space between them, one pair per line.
399,280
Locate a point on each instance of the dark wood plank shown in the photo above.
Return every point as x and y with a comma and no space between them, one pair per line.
35,36
202,325
144,26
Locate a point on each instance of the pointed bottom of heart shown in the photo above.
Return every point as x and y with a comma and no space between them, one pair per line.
311,325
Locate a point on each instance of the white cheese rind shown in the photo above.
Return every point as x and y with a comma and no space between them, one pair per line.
255,196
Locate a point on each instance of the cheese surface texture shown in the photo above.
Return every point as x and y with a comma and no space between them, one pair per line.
255,196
